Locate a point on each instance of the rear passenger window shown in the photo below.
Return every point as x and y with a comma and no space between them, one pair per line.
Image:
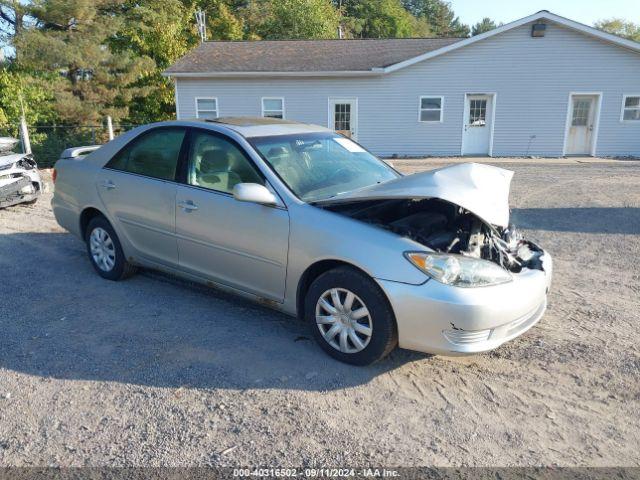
154,154
217,164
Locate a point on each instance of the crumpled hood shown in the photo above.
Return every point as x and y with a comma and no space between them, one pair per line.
10,158
480,189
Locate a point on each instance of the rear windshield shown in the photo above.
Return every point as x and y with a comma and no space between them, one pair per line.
317,166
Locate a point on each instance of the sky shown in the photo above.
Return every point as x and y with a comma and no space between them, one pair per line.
583,11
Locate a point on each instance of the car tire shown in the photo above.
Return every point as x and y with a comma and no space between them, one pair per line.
105,251
371,334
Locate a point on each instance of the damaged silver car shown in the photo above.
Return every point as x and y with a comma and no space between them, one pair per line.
309,222
20,180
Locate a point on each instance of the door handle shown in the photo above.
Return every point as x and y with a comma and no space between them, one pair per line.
188,206
108,184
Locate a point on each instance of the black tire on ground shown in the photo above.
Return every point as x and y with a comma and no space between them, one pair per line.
122,269
384,337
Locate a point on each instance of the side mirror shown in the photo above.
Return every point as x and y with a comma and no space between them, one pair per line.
254,193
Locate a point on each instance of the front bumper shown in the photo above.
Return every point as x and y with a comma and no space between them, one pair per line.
19,186
445,320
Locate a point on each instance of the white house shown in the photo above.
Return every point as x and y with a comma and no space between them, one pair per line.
543,85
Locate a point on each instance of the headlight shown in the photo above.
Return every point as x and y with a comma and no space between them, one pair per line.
459,270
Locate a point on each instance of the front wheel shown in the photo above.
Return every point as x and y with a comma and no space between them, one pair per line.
350,317
105,251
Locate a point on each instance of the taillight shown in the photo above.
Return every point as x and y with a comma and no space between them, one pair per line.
54,175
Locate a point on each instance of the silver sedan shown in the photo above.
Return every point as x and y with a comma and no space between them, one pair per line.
307,221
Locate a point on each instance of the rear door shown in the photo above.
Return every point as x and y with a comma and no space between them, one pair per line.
579,138
138,189
239,244
343,116
476,139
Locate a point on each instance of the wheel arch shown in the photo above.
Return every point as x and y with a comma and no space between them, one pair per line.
86,216
316,269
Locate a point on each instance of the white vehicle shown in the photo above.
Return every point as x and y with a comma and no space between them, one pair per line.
7,144
20,181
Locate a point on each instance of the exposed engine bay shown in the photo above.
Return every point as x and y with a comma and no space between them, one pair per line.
446,228
20,181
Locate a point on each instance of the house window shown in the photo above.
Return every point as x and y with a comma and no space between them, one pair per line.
273,107
431,109
631,108
478,112
207,108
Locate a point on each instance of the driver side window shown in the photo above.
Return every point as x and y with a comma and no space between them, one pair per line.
217,164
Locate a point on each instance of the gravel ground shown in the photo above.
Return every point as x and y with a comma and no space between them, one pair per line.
156,371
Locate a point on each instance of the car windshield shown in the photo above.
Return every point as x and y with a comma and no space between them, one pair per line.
317,166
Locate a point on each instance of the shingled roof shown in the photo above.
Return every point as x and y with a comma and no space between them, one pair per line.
344,57
304,55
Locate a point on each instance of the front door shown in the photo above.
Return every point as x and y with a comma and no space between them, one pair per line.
343,116
580,134
476,139
240,244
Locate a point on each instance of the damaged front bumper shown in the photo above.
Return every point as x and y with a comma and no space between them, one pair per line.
447,320
20,181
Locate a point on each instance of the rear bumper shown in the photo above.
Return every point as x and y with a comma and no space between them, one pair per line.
67,214
440,319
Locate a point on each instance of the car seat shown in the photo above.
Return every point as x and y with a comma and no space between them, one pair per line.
213,170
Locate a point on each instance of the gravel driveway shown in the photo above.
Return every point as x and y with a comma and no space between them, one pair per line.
157,371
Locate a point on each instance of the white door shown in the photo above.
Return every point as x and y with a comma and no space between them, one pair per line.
343,116
580,134
476,138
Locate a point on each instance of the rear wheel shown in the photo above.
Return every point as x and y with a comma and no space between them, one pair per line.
350,317
105,251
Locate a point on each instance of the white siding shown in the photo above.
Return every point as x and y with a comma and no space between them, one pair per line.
531,76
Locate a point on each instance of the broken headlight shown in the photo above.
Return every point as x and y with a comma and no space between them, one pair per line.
459,270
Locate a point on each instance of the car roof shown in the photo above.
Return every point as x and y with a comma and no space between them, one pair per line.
254,126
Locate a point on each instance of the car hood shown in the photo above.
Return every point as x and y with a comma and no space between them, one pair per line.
481,189
8,159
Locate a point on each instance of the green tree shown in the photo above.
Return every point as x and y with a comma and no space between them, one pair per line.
72,41
380,19
440,17
162,30
222,23
19,92
485,25
291,19
620,27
